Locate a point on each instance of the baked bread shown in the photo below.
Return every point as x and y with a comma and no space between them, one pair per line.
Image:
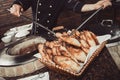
68,39
69,51
77,53
67,63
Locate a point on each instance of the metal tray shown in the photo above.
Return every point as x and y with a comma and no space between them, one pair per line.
13,60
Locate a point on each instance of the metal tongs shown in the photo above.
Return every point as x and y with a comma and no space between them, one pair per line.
25,17
86,20
52,32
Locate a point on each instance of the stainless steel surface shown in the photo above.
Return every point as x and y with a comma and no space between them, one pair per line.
25,46
10,44
107,22
1,78
113,44
112,28
9,60
117,0
113,41
115,37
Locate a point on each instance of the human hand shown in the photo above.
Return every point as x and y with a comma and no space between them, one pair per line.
102,3
16,10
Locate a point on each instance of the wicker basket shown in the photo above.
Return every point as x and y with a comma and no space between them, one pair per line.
64,71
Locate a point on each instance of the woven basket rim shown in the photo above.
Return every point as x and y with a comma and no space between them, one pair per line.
62,70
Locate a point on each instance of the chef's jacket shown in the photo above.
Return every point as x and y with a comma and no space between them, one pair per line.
46,12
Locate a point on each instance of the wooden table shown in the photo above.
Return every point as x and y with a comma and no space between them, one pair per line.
102,68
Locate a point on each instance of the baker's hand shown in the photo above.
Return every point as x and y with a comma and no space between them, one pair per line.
102,3
16,10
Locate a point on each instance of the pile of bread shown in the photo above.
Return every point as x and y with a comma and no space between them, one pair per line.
68,51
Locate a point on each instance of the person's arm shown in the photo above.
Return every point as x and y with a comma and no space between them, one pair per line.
19,6
24,3
91,7
79,6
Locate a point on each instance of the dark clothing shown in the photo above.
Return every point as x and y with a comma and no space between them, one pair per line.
46,12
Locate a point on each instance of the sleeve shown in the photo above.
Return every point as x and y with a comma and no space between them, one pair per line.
24,3
74,5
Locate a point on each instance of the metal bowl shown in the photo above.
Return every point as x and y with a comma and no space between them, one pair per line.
26,47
